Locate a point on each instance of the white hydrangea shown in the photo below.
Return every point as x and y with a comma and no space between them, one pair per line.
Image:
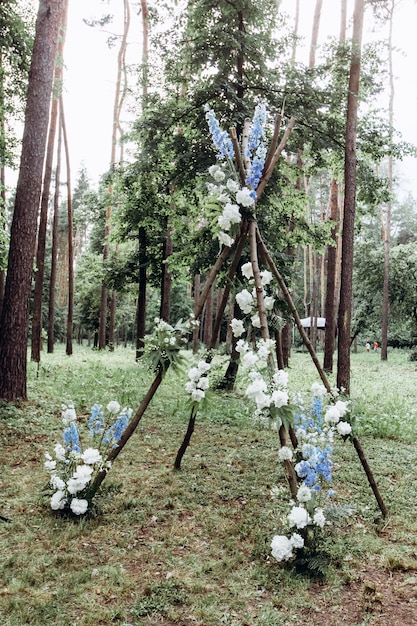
247,270
319,518
318,390
280,378
244,300
279,398
281,548
91,456
297,541
238,327
79,506
344,428
243,197
299,517
304,494
113,407
285,454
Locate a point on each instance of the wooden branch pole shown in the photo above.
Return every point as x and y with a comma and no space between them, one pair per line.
130,429
320,370
187,439
370,476
274,143
288,464
210,280
230,275
265,177
238,156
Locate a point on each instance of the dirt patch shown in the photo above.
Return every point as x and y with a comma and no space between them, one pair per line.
381,597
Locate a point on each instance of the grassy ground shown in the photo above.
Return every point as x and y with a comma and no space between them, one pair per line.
192,547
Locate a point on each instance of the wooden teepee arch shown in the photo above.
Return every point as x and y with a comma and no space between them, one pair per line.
249,233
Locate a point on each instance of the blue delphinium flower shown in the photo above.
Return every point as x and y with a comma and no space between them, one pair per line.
221,138
114,433
256,151
95,423
72,438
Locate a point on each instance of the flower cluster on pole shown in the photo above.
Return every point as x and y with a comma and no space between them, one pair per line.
72,469
235,198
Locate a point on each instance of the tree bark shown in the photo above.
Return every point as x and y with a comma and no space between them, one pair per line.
36,339
15,313
141,305
54,251
387,228
70,310
345,305
330,305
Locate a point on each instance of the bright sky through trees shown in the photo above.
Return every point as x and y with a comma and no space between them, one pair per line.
91,72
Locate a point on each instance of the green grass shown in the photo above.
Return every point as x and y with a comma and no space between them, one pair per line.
192,547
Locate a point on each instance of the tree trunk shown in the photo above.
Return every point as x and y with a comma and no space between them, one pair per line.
118,101
387,229
166,279
54,251
141,306
36,340
315,33
345,306
15,314
70,312
330,306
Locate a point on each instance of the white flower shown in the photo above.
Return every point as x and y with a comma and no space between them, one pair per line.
78,507
197,395
263,401
194,374
244,198
266,277
342,407
242,346
344,428
281,548
60,452
279,398
244,300
332,415
256,322
318,390
213,169
249,359
255,388
238,327
58,500
280,378
225,239
57,483
83,472
190,386
247,270
264,347
319,518
113,407
49,465
68,414
285,453
304,494
232,185
223,222
219,176
299,517
269,302
297,541
203,383
203,366
231,213
91,456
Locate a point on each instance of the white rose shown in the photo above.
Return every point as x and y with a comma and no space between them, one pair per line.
299,517
243,197
58,500
344,428
113,407
247,270
281,548
225,240
237,327
78,506
91,456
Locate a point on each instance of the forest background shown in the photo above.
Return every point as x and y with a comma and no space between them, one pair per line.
108,241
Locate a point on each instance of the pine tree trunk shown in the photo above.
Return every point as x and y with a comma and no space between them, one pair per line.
15,314
330,306
54,251
345,306
36,339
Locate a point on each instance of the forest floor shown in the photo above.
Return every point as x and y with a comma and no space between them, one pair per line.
192,547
